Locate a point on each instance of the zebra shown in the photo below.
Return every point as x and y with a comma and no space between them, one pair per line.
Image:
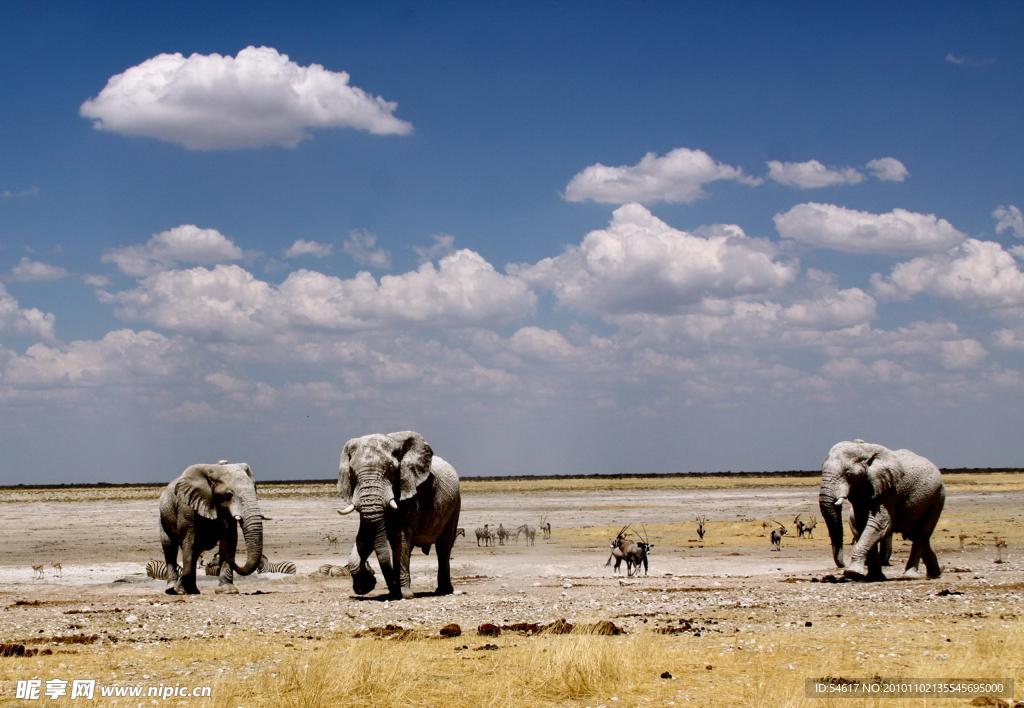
460,532
37,571
159,570
502,534
531,534
266,566
58,572
484,533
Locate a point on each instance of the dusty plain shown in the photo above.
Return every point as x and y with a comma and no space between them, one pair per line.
730,620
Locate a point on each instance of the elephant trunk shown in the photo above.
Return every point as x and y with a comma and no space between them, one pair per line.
252,531
371,496
833,489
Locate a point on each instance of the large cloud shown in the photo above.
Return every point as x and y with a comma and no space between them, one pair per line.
229,302
898,232
679,176
976,272
640,264
256,99
183,244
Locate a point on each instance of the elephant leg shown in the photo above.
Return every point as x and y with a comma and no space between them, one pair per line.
878,525
401,586
885,550
363,580
226,579
874,566
170,547
187,580
931,562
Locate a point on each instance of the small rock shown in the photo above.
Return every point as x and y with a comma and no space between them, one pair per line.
808,624
567,585
666,675
709,667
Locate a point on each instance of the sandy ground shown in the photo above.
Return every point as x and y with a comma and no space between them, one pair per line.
104,543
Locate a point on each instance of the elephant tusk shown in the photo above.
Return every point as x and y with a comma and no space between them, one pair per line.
238,517
840,500
393,505
347,510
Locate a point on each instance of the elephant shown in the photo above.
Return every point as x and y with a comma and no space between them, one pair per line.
406,496
890,491
203,507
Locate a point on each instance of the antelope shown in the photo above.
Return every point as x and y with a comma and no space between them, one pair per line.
37,571
1000,548
701,528
545,527
633,552
777,535
962,537
809,527
332,541
58,572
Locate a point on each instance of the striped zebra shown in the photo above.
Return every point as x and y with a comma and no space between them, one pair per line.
266,566
333,571
158,570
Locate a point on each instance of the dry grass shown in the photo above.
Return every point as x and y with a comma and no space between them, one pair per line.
749,668
955,482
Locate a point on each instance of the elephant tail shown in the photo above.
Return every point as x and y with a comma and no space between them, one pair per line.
425,549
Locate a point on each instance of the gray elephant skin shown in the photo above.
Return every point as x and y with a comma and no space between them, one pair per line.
203,508
406,496
890,491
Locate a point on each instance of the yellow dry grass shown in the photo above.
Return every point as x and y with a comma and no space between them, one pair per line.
755,667
996,482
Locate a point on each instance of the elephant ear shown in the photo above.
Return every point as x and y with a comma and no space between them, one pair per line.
195,489
884,471
346,478
414,456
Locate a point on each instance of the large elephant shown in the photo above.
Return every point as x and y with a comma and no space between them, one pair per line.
890,491
203,507
406,496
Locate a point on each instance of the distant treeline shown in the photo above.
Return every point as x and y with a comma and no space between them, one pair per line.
520,478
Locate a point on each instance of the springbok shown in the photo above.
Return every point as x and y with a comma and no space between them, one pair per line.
58,572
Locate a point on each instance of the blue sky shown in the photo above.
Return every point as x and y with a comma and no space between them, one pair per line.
588,237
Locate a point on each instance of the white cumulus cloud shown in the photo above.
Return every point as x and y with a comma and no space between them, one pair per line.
360,246
1009,218
229,302
15,320
811,174
30,270
641,264
888,169
897,232
679,176
308,248
977,272
183,244
259,98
